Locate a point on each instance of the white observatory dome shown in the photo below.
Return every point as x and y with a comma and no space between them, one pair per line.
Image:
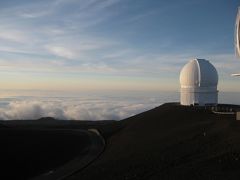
198,80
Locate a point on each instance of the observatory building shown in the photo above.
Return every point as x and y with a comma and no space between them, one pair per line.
198,80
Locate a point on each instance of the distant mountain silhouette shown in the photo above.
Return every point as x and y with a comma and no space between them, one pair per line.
47,119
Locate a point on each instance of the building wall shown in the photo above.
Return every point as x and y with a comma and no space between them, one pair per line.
198,98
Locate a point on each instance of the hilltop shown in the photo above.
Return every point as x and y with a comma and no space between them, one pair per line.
167,142
171,142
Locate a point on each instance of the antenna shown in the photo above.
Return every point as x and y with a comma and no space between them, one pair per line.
237,34
237,38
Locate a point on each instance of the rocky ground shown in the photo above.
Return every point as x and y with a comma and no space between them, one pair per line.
168,142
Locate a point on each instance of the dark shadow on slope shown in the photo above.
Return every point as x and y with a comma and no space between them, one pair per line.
27,153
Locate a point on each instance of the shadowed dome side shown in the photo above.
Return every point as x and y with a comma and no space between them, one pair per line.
209,75
198,73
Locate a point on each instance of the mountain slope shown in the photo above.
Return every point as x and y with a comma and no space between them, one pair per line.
171,142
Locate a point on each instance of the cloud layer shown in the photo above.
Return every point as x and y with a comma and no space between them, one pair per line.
91,107
114,108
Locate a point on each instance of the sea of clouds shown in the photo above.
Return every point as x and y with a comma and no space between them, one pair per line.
78,108
90,107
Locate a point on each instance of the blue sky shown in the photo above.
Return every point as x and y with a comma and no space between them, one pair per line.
82,45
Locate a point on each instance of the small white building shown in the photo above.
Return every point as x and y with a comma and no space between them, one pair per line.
198,80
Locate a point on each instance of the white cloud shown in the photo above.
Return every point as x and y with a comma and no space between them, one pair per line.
94,107
75,108
61,52
13,35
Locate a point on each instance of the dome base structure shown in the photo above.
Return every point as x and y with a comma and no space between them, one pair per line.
199,80
199,98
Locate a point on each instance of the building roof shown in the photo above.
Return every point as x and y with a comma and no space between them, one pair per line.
198,73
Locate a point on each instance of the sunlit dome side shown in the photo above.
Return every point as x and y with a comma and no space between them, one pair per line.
198,73
237,34
198,80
